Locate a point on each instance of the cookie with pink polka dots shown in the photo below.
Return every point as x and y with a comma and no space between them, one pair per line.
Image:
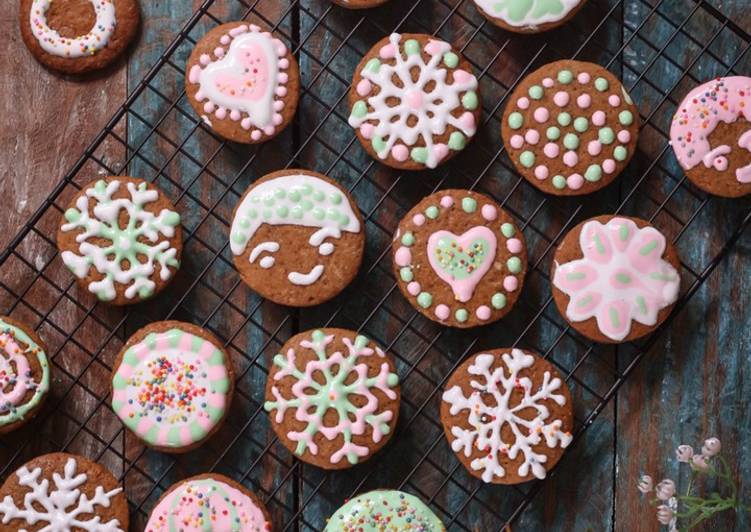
459,258
570,128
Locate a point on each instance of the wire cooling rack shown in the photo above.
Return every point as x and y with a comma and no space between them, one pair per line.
660,49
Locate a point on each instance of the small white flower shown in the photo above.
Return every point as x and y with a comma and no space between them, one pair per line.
711,447
664,514
665,489
684,453
699,462
645,484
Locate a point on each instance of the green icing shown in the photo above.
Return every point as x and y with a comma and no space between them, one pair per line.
508,230
564,119
460,262
527,159
565,76
571,141
457,141
581,124
606,135
469,205
626,118
374,65
419,154
514,265
470,100
451,60
378,143
461,315
553,133
412,47
432,212
360,109
498,300
536,92
424,299
620,153
382,511
593,173
602,84
515,120
559,182
408,238
406,274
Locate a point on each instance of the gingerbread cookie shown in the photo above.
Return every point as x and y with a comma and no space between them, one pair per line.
209,502
24,374
615,278
414,101
121,238
77,36
297,238
333,397
529,16
507,415
359,4
243,82
459,259
711,136
570,128
59,491
172,385
384,510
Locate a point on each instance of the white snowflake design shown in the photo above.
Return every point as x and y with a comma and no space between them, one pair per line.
488,421
57,507
140,239
311,400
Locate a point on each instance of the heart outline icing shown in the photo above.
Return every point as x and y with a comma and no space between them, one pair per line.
454,258
243,79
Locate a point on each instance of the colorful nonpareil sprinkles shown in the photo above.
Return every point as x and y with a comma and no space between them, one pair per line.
384,511
81,46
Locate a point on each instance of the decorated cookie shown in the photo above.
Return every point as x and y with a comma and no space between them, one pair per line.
209,502
615,278
459,259
62,492
333,397
121,238
297,238
507,415
570,128
711,136
384,510
415,102
77,36
172,385
359,4
243,82
529,16
24,374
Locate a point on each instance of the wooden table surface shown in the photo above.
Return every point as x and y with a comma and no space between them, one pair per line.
695,381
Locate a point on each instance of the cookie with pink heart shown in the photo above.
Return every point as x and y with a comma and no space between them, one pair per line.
459,258
243,82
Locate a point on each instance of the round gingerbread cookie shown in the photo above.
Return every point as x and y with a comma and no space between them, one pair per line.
333,397
121,237
415,102
243,82
77,36
209,502
297,238
384,510
615,278
570,128
359,4
529,16
62,491
24,374
172,385
507,414
711,136
459,259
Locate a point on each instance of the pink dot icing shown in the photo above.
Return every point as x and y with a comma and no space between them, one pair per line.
418,219
575,181
517,141
584,101
442,312
548,82
594,147
561,98
542,172
447,201
387,52
624,136
510,283
542,115
570,159
599,118
367,130
489,212
532,136
514,245
414,288
523,103
608,165
483,312
551,150
403,256
584,77
400,152
364,87
614,100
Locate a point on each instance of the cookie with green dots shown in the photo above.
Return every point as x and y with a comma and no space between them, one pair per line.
459,258
570,128
297,238
384,510
121,239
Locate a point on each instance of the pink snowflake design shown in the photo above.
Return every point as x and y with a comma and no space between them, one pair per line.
621,278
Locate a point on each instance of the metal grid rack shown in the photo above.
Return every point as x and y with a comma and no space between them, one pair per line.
660,48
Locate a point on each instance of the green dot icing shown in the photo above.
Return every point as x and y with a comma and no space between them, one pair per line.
432,212
408,239
571,141
344,372
508,230
384,510
412,47
564,119
565,76
536,92
606,135
406,274
335,198
581,124
553,133
527,159
451,60
374,65
602,84
559,182
514,265
294,195
469,205
626,118
457,141
379,144
515,120
419,155
461,315
498,300
620,153
282,211
279,193
593,173
470,101
424,299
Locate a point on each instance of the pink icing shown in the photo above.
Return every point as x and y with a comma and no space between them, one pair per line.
548,82
614,100
483,312
542,172
489,212
510,283
517,141
541,115
514,245
561,98
532,136
364,87
608,166
523,103
367,130
594,147
551,150
418,219
447,201
583,78
387,52
403,256
624,137
584,101
621,277
570,159
442,312
414,288
21,378
575,181
399,152
599,118
254,83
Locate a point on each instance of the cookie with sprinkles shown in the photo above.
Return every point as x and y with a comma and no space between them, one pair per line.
172,385
529,16
711,136
459,259
507,415
570,128
383,510
121,238
333,397
243,82
78,36
24,374
415,102
209,502
615,278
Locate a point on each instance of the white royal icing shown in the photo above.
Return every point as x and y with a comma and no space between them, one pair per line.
527,13
84,45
